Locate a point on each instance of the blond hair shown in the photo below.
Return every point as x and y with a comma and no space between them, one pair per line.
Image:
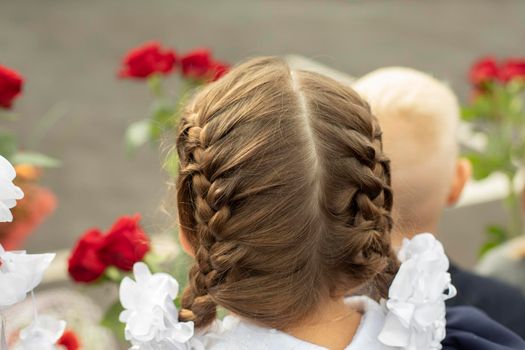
283,194
419,116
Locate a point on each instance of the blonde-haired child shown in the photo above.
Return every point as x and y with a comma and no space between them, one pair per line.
419,116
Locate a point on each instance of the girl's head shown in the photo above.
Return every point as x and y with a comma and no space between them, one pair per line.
283,195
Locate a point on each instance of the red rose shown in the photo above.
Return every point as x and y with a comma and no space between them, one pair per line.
484,70
219,69
85,264
125,244
10,86
69,340
146,60
197,64
512,69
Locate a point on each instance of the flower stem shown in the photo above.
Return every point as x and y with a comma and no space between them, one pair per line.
188,86
514,208
155,85
113,274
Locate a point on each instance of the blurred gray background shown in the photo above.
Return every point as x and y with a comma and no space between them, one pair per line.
69,52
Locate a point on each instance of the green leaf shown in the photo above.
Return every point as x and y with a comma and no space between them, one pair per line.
8,144
515,86
34,158
482,165
469,113
162,117
482,108
113,274
178,302
495,235
486,247
181,267
111,320
137,134
171,164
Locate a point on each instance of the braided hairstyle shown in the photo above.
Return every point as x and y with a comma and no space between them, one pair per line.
283,195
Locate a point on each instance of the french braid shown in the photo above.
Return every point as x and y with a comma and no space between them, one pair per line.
211,212
358,197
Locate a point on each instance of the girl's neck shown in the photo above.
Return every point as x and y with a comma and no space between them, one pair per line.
332,327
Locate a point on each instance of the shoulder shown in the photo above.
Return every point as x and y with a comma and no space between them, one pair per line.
470,329
235,334
471,282
232,333
219,336
502,302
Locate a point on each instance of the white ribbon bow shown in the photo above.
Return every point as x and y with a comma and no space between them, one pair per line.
416,300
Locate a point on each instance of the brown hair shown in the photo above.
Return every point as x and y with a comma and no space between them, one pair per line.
283,193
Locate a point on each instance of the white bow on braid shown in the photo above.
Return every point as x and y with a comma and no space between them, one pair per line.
416,300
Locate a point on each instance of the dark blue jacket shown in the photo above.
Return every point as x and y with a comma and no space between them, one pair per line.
501,302
470,329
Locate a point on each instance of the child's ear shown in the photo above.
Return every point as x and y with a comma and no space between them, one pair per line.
462,174
185,244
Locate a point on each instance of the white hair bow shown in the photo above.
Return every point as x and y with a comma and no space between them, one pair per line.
416,300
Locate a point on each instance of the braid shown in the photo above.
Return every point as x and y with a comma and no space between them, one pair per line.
372,216
358,190
209,216
382,281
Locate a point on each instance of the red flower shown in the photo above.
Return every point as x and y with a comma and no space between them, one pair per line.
10,86
219,69
512,69
125,244
483,71
69,340
85,264
197,64
146,60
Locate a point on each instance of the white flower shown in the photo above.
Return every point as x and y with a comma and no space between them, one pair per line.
150,315
416,304
42,334
9,193
20,273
